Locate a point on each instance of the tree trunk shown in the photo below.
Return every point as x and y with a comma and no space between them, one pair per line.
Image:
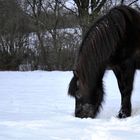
88,10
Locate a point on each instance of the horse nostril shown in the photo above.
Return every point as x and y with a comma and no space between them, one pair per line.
85,111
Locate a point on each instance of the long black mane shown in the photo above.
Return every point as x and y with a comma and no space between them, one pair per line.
112,41
105,36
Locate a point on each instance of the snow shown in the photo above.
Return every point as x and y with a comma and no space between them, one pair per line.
35,106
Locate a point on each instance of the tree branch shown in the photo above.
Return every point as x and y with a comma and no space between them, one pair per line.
63,5
138,7
132,2
122,2
94,4
78,3
99,6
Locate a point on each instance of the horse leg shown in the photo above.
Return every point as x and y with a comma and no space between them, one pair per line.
125,77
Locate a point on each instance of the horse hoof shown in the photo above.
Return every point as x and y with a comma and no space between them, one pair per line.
123,115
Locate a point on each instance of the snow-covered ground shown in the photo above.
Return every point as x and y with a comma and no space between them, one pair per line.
35,106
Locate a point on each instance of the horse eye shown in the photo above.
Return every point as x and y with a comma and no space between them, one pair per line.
77,83
78,95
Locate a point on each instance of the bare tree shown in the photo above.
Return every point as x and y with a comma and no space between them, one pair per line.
36,10
13,35
88,10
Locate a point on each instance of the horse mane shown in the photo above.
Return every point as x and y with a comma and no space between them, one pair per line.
102,40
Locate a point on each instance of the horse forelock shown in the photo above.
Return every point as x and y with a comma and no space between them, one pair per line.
73,86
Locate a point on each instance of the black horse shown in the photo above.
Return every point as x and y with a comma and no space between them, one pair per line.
113,41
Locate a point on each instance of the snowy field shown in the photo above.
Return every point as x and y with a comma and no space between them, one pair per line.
35,106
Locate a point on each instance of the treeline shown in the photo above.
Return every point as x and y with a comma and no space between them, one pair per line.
35,38
45,34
